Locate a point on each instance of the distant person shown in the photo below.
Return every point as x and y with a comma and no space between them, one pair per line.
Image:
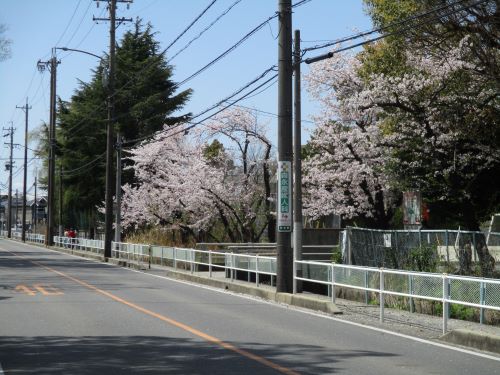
72,236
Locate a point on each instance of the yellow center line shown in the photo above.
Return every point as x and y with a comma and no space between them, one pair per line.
166,319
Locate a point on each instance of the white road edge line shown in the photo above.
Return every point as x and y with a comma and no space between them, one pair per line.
218,290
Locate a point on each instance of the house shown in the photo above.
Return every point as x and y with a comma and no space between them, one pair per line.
34,212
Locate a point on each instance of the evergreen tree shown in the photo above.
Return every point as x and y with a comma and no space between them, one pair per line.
145,99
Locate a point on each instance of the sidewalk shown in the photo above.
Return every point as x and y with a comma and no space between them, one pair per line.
463,333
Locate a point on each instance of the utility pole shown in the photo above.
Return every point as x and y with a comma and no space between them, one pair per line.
52,65
26,109
35,217
108,224
297,166
9,204
17,208
118,227
284,282
61,232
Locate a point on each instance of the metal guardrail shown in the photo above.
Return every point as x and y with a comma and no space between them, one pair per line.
481,293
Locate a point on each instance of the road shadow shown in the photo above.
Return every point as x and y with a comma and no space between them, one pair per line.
162,355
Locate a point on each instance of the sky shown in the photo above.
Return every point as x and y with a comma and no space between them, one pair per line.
36,26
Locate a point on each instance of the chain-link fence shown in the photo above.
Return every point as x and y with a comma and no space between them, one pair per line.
422,250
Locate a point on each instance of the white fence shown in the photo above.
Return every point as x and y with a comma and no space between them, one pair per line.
481,293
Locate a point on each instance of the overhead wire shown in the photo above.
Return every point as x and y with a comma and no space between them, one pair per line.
403,22
191,24
69,23
141,71
398,31
216,105
204,30
350,47
193,125
79,24
83,168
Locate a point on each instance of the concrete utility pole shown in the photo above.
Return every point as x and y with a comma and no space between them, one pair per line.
17,208
26,109
52,65
297,167
118,228
108,223
61,231
9,204
284,282
35,217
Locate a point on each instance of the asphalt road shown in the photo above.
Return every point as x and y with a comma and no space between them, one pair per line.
64,315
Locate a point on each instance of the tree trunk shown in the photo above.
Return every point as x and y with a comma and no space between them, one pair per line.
486,261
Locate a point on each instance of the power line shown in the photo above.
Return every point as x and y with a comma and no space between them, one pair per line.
380,29
403,29
71,172
228,51
138,74
79,24
218,58
205,30
190,25
218,104
69,22
193,125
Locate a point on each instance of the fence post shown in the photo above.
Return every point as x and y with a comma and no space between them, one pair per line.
366,286
482,298
474,244
150,251
349,249
420,237
381,295
257,269
332,266
329,272
209,263
446,244
410,287
175,258
445,302
232,266
161,255
192,261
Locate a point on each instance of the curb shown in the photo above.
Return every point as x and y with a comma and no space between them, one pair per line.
473,339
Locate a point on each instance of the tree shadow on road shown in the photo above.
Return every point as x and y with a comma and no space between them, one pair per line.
161,355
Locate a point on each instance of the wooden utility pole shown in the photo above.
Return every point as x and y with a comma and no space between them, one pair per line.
284,282
26,109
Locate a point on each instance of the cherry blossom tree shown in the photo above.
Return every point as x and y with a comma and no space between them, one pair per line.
433,127
192,184
345,172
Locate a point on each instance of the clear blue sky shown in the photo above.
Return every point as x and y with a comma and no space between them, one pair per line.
35,26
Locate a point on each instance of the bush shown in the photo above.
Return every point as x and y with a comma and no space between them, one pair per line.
423,259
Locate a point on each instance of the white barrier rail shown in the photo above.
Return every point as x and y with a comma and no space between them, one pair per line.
481,293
